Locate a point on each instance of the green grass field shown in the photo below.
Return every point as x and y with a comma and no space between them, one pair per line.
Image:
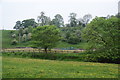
39,68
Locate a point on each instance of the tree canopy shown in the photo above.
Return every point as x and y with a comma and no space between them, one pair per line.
102,34
46,36
58,21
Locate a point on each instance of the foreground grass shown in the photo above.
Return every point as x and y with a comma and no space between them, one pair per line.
39,68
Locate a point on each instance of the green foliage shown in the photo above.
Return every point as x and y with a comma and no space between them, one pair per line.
29,36
102,34
24,38
25,31
71,35
73,20
29,22
30,28
6,40
13,35
85,56
14,42
86,18
46,36
43,20
18,25
58,21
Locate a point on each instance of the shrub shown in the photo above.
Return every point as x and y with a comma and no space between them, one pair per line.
14,42
14,36
95,57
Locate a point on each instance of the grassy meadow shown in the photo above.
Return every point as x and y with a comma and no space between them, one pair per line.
40,68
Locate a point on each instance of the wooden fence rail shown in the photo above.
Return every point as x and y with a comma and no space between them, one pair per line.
42,51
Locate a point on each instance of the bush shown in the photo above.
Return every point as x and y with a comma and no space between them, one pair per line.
87,57
14,42
103,57
14,36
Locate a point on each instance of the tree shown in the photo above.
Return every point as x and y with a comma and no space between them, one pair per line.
73,20
29,36
71,35
25,31
58,21
43,20
14,36
18,25
29,22
46,36
84,21
30,28
14,42
102,34
24,37
87,18
20,33
80,22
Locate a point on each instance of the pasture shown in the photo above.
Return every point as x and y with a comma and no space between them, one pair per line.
40,68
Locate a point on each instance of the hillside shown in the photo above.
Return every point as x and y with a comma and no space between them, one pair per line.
7,39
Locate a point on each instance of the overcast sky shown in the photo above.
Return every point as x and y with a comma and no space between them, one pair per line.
14,10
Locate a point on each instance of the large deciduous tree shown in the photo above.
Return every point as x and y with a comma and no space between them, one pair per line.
103,34
46,36
18,25
29,22
84,21
58,21
87,18
43,20
73,20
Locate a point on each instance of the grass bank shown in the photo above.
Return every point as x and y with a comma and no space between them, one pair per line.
84,56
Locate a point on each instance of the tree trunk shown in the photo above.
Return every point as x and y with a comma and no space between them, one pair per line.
45,49
19,37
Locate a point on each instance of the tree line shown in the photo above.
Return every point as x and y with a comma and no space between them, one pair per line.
101,33
57,21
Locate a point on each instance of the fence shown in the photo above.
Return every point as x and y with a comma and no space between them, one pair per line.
40,50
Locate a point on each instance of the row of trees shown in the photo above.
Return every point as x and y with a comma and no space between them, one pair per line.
25,27
57,21
102,34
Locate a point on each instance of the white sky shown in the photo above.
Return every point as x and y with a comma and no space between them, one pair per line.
14,10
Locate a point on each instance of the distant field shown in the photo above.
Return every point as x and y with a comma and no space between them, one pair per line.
38,68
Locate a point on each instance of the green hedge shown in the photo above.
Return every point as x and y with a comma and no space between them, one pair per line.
87,57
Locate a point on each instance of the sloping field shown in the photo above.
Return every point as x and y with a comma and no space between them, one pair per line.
38,68
7,39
